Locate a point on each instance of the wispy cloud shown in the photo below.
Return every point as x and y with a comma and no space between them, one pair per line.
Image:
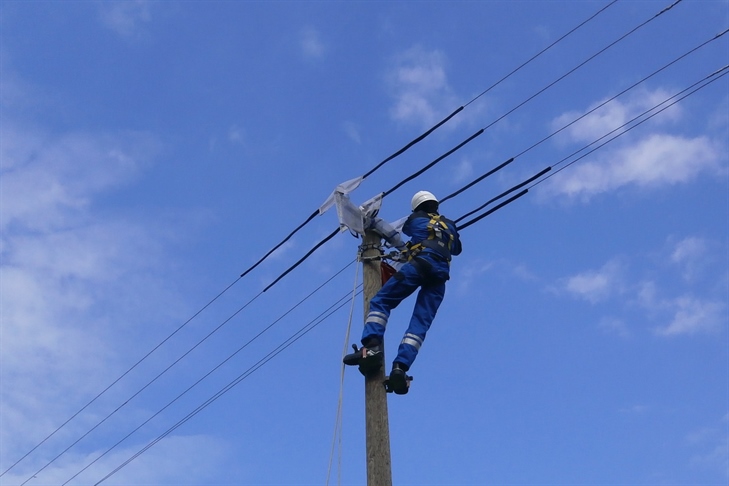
419,85
711,444
463,171
75,280
613,325
125,17
352,131
671,307
692,315
467,278
236,134
160,465
688,250
613,115
70,279
653,160
312,46
594,285
692,256
46,178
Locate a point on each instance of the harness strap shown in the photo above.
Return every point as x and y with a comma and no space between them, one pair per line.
435,241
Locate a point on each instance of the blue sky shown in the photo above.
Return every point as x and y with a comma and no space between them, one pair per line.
153,151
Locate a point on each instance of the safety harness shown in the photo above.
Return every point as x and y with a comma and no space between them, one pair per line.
440,239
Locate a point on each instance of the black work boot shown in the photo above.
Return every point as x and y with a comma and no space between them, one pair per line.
398,381
368,358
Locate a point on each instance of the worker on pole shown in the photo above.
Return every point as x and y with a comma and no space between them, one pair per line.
433,240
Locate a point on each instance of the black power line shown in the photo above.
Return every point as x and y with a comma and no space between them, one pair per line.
333,234
309,219
630,124
707,80
564,127
479,132
439,124
703,83
684,93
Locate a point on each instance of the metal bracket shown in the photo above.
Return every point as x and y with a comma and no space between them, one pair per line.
365,247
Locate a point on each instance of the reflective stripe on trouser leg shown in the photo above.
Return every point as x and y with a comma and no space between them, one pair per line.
375,325
426,306
377,317
412,340
397,288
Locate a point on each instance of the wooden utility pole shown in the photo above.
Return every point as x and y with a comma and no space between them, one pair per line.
379,468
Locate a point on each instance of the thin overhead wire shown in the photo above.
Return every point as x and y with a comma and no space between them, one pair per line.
195,346
632,86
564,127
432,164
117,380
477,180
681,95
707,80
518,68
479,132
298,228
492,210
503,194
590,58
280,348
301,260
370,172
622,130
418,139
212,370
436,126
336,231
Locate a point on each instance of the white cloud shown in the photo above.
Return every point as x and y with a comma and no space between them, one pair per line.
612,325
74,284
613,115
47,179
635,409
236,134
164,463
125,16
463,171
654,161
352,132
420,87
682,315
692,315
467,278
712,448
595,285
311,44
688,250
692,256
687,312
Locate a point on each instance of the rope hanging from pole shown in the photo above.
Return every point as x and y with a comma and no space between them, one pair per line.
338,420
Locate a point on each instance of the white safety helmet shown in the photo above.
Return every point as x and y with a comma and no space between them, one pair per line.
420,197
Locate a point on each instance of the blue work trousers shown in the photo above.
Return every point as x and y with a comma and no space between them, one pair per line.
425,272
